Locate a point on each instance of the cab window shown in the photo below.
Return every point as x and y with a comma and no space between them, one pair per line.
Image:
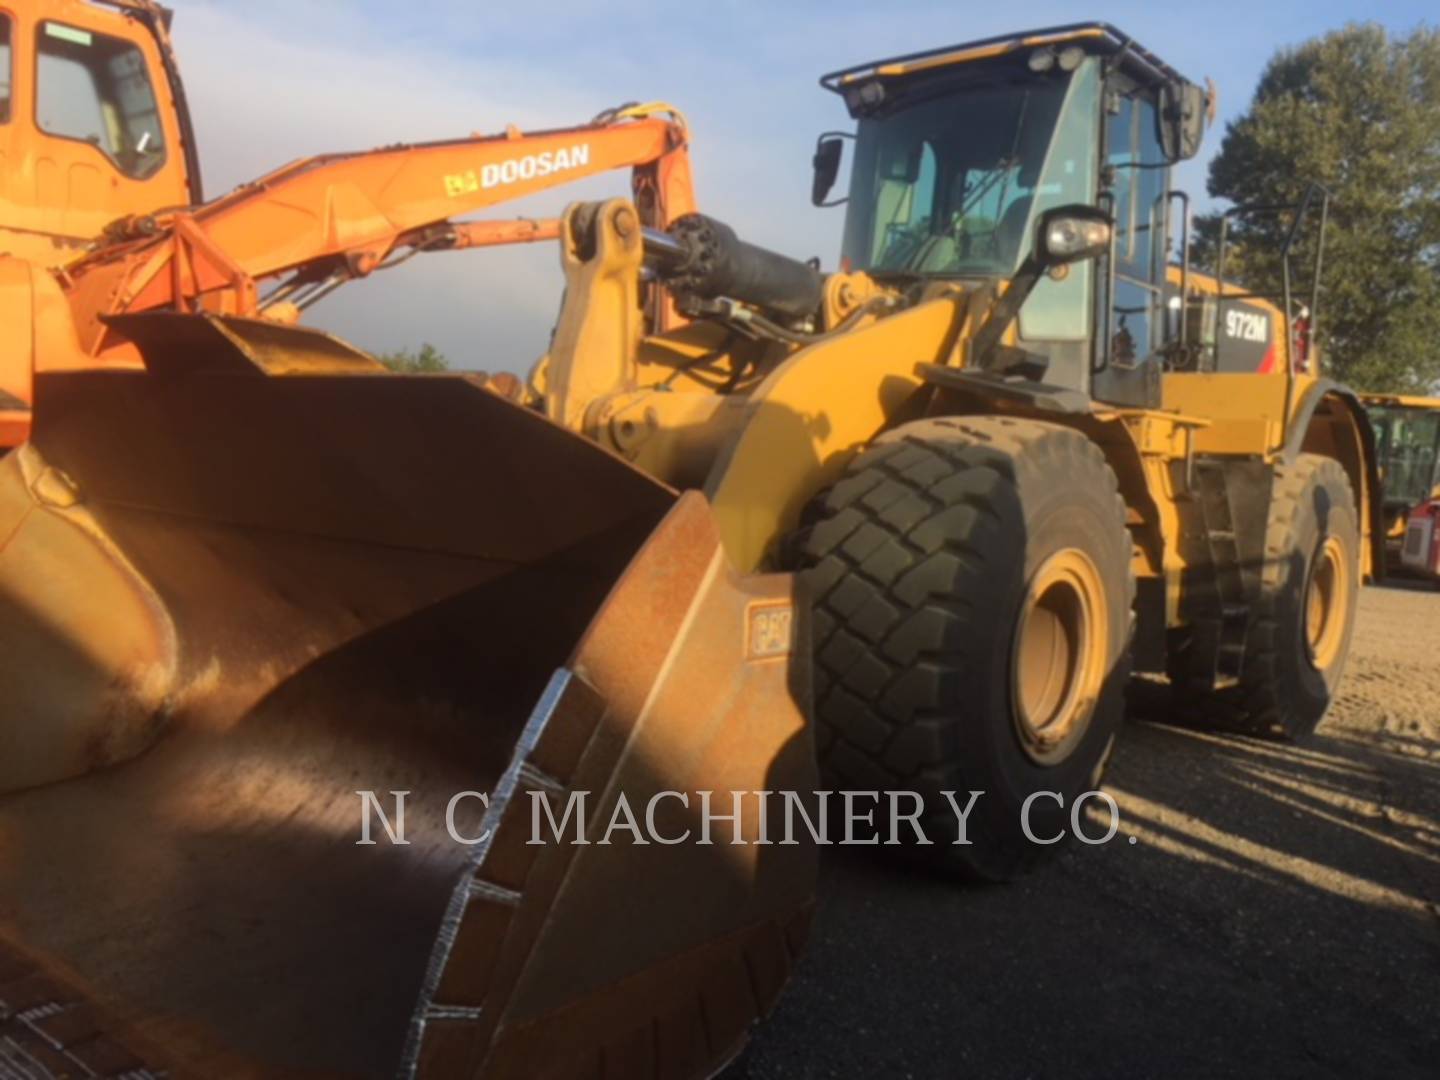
1059,309
5,68
941,190
1150,179
1120,156
95,88
1138,177
904,199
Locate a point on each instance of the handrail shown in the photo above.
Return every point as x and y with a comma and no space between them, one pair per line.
1300,210
1169,197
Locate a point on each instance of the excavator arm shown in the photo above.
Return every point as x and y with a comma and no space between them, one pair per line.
325,220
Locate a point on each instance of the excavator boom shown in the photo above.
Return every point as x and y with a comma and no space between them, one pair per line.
326,220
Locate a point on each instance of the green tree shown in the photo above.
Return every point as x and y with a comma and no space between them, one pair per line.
1358,112
411,362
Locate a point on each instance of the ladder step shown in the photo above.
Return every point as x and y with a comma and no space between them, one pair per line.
1225,636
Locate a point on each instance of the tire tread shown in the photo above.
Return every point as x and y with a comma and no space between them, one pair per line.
891,730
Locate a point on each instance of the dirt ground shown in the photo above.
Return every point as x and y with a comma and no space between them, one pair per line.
1278,914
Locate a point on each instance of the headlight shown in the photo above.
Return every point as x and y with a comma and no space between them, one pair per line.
1070,238
1070,233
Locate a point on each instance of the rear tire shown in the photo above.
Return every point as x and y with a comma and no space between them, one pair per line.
972,591
1304,615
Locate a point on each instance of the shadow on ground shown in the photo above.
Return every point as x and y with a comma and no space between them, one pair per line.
1278,914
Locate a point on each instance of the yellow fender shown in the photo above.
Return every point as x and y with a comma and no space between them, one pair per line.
819,407
1330,419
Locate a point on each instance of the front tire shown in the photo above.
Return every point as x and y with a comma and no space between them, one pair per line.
972,593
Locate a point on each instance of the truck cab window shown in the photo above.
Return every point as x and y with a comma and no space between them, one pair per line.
6,66
95,88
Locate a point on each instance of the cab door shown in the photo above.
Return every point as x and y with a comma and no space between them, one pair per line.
1135,179
88,128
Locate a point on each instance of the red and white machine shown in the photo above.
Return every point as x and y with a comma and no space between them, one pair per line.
1421,553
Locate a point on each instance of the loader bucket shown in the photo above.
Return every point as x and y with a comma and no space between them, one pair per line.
231,602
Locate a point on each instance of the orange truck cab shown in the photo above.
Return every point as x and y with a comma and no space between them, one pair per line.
93,128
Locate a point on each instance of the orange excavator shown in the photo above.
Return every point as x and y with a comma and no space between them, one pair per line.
104,214
255,590
326,220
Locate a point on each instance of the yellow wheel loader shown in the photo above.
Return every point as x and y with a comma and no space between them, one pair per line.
1407,435
996,444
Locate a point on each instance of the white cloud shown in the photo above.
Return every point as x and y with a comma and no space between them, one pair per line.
264,91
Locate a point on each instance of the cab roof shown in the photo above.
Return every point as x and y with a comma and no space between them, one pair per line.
1097,37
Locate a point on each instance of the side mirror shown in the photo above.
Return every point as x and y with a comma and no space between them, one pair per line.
827,167
1072,233
1184,108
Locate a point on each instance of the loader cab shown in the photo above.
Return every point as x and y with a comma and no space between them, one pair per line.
959,152
1407,443
93,123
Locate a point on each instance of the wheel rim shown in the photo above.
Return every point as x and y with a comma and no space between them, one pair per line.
1059,655
1327,600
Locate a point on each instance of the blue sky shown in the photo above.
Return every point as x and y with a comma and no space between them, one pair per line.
270,81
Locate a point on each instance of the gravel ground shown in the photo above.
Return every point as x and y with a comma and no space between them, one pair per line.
1277,915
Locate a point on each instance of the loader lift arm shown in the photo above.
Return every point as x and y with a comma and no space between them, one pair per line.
328,219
